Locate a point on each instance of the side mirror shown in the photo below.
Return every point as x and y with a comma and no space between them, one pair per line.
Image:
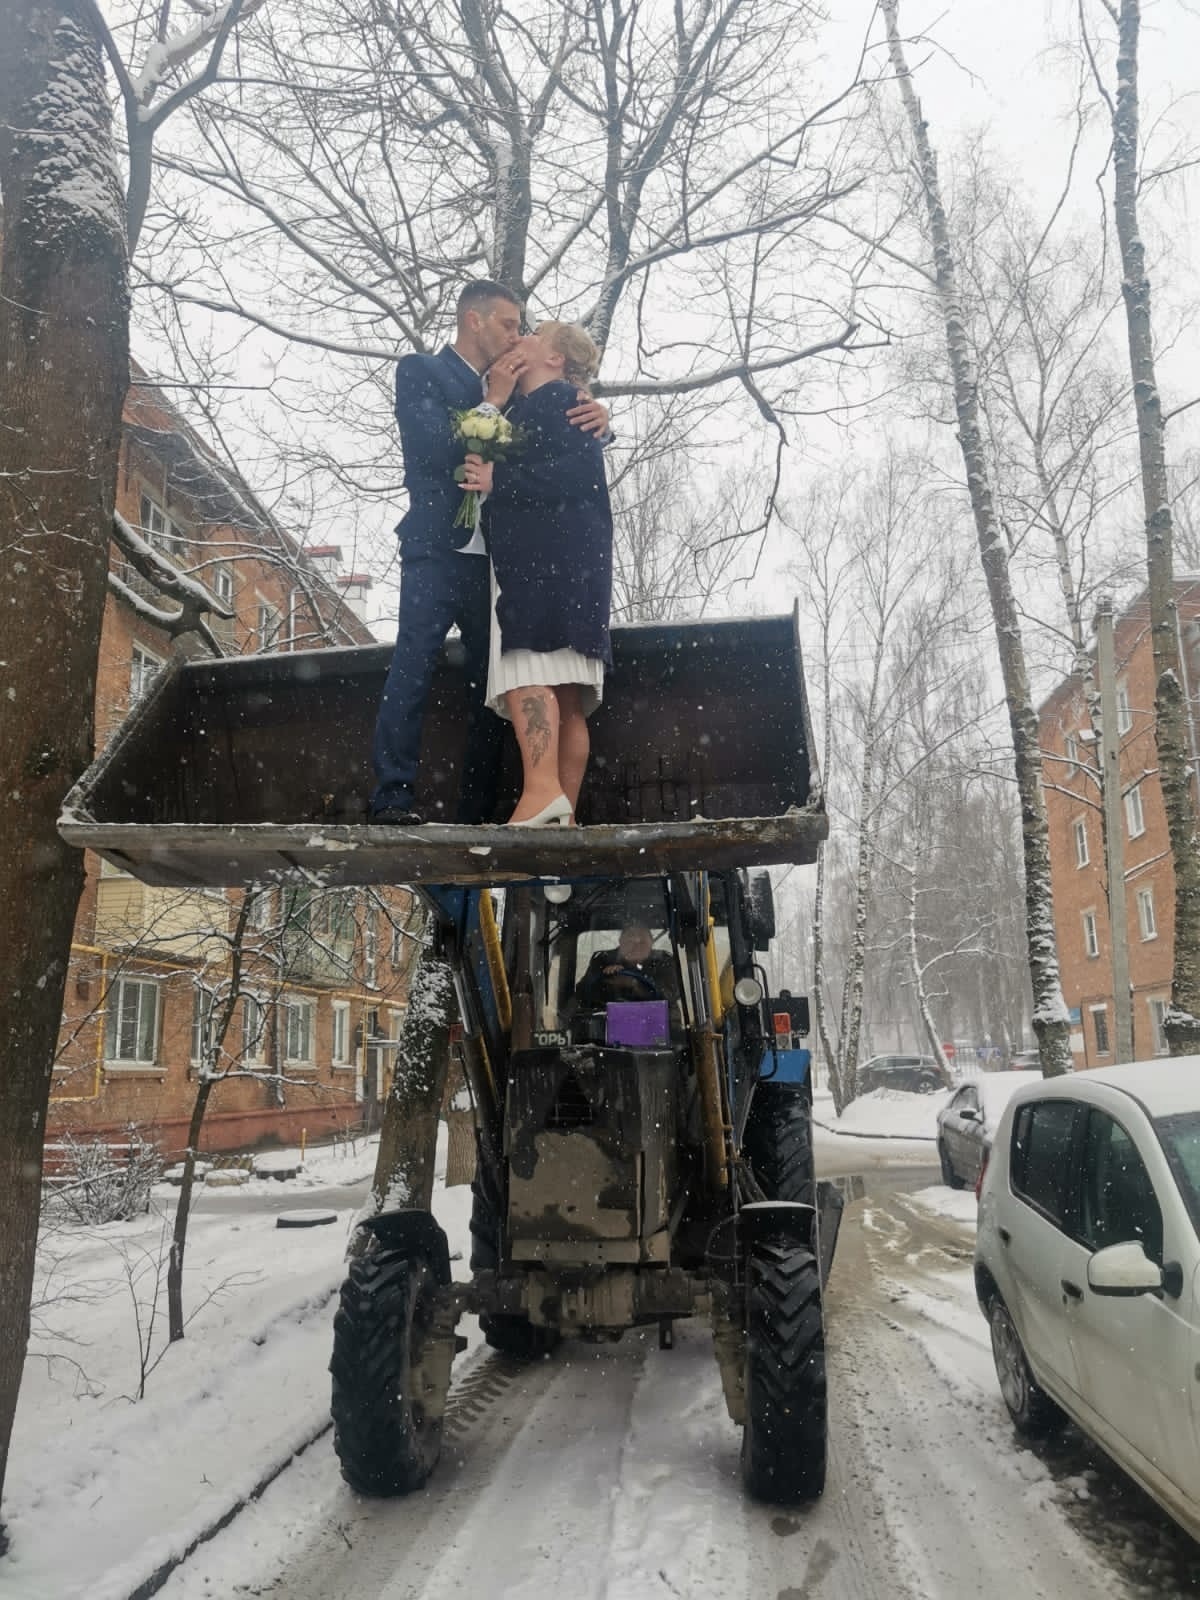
969,1114
1123,1269
760,910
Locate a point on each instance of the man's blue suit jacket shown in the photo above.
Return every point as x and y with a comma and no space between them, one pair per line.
428,389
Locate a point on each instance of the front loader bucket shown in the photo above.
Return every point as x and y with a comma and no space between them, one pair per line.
257,768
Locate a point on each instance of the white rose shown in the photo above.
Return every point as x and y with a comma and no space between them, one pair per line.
483,427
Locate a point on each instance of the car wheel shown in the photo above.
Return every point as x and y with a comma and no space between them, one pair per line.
1031,1408
927,1085
949,1177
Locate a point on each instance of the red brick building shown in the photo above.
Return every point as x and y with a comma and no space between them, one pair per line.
1081,911
325,972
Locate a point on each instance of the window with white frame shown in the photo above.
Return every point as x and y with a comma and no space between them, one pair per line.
254,1029
1100,1029
1072,747
1124,710
298,1031
221,582
1158,1015
1091,935
262,908
1147,920
396,955
268,624
158,528
1135,818
144,667
202,1022
131,1022
1079,827
370,950
341,1033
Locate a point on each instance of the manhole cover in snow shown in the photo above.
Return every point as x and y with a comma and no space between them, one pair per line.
313,1217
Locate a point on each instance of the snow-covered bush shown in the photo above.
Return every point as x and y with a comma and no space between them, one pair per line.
98,1183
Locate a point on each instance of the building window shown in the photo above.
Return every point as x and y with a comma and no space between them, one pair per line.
222,585
1124,713
1081,842
1072,755
1147,921
143,669
268,624
298,1037
341,1033
1100,1025
370,950
131,1022
261,911
202,1023
1135,819
1158,1014
158,529
254,1028
1091,938
397,951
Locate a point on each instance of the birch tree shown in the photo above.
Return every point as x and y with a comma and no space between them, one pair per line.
1050,1019
883,603
1171,711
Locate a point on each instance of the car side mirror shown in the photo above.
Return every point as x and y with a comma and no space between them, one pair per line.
1123,1269
969,1114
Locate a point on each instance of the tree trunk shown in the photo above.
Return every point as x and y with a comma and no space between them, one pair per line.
64,354
1171,712
408,1139
183,1209
1050,1021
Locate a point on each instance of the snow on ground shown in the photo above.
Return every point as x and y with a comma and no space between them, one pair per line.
960,1205
887,1114
135,1481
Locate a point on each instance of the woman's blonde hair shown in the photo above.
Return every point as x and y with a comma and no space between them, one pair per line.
580,352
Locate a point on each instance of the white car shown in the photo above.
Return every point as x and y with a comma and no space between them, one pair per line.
1087,1266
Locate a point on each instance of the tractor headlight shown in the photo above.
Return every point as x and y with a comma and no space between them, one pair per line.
558,893
747,991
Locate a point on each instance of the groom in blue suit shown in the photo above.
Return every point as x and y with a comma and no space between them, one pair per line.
444,570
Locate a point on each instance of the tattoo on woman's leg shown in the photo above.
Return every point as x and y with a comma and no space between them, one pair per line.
537,726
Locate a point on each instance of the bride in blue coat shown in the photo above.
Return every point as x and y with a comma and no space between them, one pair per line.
550,536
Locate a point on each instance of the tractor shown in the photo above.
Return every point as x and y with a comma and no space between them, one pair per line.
641,1101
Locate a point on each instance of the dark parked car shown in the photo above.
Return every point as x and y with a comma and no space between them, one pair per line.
1026,1061
968,1120
917,1074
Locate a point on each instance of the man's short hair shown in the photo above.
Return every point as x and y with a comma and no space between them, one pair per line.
478,293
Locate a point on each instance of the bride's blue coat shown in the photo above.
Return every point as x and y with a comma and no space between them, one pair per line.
550,531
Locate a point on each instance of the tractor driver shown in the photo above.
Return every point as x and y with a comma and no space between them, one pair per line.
635,970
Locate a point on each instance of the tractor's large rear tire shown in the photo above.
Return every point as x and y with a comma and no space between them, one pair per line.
784,1439
387,1437
778,1143
512,1336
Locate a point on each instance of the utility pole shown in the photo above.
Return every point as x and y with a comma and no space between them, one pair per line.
1114,840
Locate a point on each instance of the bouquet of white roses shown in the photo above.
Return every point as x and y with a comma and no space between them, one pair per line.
487,434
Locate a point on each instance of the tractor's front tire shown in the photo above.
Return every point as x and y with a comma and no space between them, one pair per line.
784,1439
387,1427
512,1336
778,1143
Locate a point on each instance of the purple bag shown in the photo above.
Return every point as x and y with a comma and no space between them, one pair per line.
637,1024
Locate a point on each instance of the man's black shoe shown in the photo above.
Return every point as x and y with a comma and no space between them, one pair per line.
395,817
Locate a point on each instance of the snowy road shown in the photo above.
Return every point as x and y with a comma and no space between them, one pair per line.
611,1473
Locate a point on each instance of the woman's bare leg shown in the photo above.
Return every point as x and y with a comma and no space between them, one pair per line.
573,742
535,720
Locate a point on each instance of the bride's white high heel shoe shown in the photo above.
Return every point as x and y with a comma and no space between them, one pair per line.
556,815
